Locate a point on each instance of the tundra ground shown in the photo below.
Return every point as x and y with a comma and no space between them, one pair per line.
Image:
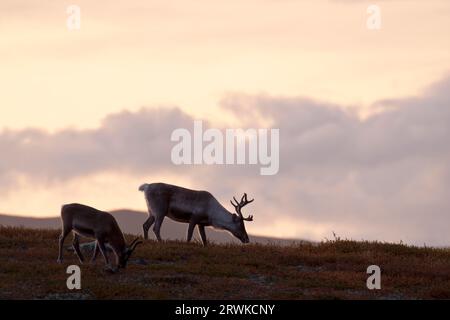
177,270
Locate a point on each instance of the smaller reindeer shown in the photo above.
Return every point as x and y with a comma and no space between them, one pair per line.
98,225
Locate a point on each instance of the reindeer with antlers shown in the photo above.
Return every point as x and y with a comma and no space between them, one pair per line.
98,225
197,208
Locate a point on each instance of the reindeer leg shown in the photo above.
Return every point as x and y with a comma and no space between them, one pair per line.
190,230
62,237
76,246
147,224
201,230
102,247
94,256
158,208
157,227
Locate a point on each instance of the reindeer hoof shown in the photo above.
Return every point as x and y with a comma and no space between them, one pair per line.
111,269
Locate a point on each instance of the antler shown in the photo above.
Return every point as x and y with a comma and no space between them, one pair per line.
239,205
134,243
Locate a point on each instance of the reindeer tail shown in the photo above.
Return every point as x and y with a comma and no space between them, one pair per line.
143,187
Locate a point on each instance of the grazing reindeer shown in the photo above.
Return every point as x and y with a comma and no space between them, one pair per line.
198,208
99,225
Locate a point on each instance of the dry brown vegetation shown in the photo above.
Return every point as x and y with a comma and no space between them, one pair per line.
176,270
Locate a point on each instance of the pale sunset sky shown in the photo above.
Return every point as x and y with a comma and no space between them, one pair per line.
364,115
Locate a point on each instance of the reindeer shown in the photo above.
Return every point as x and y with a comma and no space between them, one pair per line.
98,225
198,208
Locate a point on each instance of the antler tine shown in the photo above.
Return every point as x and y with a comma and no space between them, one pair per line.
235,205
132,242
135,245
245,199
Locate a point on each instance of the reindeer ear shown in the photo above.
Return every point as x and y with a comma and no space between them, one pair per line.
235,217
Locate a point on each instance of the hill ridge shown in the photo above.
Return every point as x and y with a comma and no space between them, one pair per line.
131,222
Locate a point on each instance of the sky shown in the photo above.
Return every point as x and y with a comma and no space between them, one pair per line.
86,115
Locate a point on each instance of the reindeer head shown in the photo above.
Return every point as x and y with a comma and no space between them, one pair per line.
238,229
126,254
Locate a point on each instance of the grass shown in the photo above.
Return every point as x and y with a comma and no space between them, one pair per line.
334,269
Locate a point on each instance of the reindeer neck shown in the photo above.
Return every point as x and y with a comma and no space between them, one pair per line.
220,217
118,244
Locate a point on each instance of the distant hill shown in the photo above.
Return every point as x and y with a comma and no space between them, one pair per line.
131,222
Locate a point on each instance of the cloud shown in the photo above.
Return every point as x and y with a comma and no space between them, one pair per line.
125,141
386,177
